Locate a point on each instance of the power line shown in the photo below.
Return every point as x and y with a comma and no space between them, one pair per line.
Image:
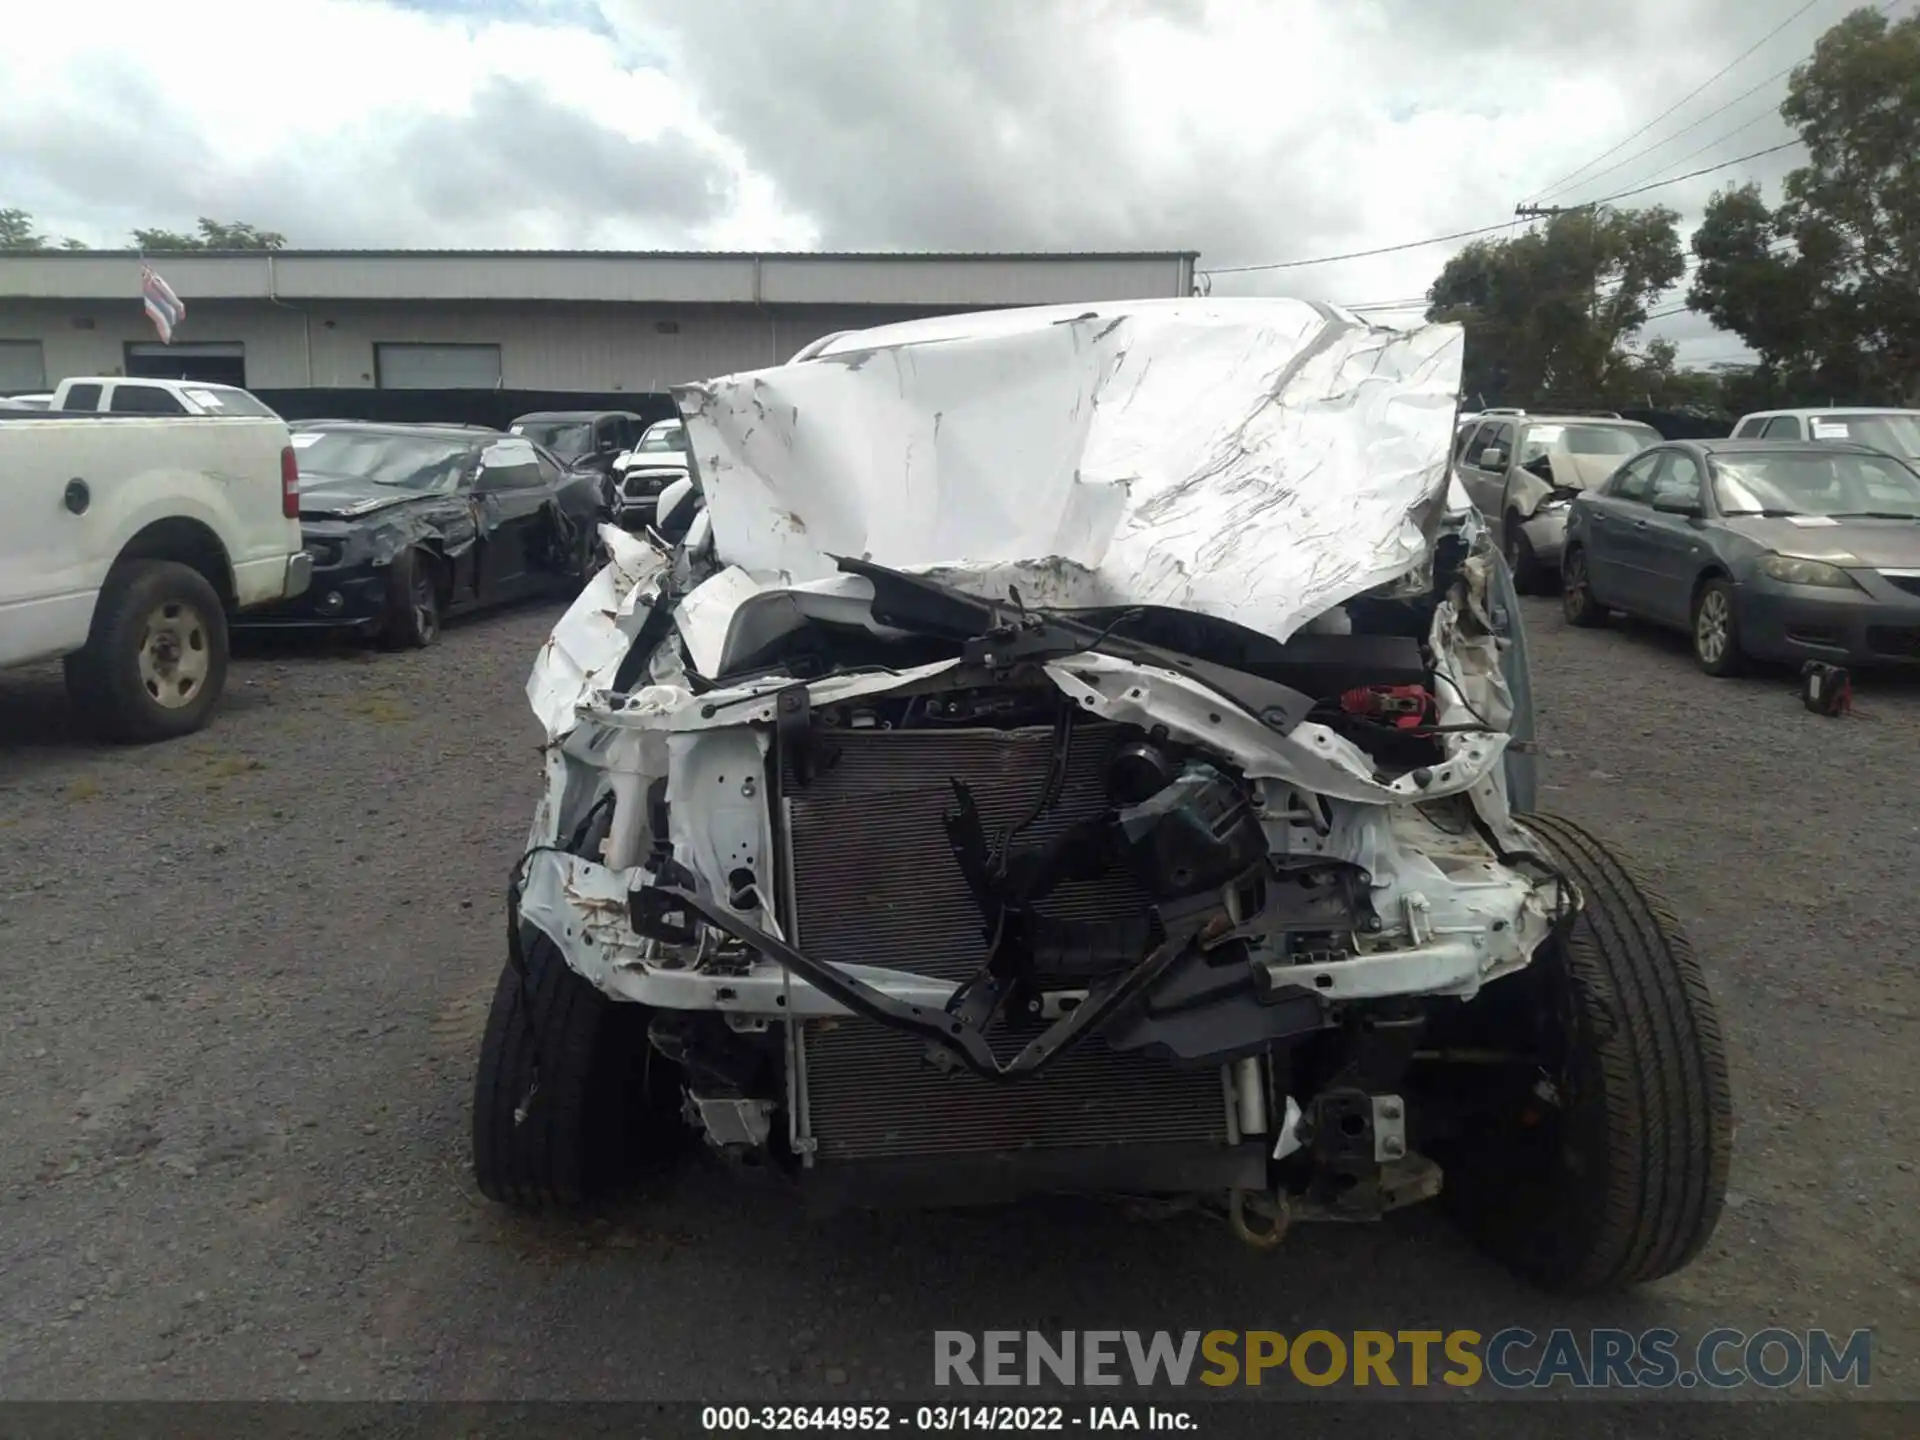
1884,6
1489,229
1691,174
1661,144
1358,254
1683,101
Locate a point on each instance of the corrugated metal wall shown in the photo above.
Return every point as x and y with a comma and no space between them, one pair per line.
594,347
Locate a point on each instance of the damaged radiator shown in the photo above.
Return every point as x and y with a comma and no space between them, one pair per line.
873,882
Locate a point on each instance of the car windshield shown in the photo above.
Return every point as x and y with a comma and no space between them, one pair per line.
406,462
664,439
1800,483
225,402
1894,432
1620,440
569,439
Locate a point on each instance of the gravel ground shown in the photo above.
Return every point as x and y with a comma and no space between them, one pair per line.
246,975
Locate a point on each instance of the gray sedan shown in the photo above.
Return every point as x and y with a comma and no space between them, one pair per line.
1760,549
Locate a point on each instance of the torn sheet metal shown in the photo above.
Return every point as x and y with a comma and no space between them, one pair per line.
1256,460
584,652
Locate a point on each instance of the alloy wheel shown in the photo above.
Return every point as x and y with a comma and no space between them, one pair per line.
1711,627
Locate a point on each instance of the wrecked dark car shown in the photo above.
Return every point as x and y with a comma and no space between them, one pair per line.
584,439
408,524
1087,750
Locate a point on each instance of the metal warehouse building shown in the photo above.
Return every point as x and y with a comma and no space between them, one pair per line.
592,322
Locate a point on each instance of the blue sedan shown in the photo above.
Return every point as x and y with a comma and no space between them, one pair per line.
1759,549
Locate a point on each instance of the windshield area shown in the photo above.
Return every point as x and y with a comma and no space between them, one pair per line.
569,439
1617,440
405,462
1834,486
1896,433
665,439
226,402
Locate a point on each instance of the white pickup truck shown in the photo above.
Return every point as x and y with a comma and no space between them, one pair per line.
115,395
125,542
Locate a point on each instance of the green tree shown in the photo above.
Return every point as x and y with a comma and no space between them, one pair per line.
17,232
1826,285
212,235
1653,379
1552,315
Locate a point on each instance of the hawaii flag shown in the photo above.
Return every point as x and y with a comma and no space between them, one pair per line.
164,308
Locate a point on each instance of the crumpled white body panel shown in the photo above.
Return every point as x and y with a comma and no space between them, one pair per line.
1256,460
1261,461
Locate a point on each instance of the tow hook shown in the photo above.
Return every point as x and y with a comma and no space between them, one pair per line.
1272,1210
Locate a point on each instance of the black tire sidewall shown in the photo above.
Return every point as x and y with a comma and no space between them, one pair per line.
402,630
103,678
1521,561
1587,612
1628,1183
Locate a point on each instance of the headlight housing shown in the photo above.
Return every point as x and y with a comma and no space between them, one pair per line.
1790,570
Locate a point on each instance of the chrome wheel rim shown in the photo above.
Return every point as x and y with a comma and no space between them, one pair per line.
175,654
1710,631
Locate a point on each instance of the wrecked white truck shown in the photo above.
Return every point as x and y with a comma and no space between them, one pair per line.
1084,750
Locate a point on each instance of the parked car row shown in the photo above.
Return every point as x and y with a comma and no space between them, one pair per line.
1795,539
143,521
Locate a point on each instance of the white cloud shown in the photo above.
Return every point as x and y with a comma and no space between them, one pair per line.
1249,131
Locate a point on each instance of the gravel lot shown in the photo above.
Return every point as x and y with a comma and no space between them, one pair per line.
246,974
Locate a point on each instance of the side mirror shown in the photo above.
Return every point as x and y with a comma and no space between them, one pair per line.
1493,458
1678,505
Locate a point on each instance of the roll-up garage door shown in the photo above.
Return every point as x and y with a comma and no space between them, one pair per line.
22,366
437,367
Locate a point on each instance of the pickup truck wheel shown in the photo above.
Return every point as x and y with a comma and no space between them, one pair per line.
1604,1163
155,660
563,1107
413,601
1576,592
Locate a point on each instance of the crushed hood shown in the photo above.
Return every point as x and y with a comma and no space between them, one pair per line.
1583,472
347,497
1259,460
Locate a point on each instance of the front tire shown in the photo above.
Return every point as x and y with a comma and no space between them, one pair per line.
589,554
1610,1169
413,601
562,1106
1716,630
155,661
1529,575
1576,592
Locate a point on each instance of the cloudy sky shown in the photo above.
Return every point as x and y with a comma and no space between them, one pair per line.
1253,131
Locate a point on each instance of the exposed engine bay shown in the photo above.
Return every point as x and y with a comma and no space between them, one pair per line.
966,872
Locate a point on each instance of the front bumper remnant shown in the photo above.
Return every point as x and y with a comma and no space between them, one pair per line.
664,912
